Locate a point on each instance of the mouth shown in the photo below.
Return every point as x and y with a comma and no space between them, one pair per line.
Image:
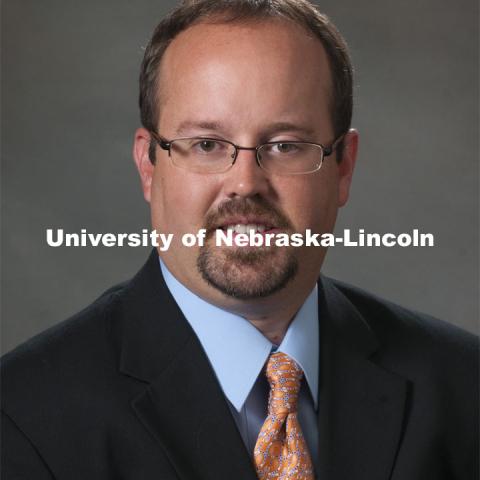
247,225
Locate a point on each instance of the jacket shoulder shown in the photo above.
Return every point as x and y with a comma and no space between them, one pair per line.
405,331
61,353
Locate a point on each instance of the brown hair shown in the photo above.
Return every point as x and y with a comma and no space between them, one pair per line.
301,12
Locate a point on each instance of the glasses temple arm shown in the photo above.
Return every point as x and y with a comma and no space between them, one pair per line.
329,150
163,144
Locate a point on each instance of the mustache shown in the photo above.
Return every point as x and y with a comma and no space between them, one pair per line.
258,207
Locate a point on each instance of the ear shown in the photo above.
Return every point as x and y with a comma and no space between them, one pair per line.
346,166
144,165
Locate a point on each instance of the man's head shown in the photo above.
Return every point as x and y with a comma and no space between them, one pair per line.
249,72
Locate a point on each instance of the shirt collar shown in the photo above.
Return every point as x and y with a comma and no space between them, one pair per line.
238,351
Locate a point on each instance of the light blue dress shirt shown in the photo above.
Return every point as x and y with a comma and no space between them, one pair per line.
238,351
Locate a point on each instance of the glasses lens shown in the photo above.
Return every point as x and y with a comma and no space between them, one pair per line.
290,157
202,155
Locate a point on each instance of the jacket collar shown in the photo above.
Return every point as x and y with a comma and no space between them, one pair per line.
362,405
151,331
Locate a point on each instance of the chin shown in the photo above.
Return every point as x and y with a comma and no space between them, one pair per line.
247,273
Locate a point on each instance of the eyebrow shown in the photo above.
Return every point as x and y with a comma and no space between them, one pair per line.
288,127
187,125
276,127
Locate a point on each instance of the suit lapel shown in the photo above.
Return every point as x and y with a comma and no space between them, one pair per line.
182,406
362,405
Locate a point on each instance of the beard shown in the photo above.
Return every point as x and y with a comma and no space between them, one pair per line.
247,273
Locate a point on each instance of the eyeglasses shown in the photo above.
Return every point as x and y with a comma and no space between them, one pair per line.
212,155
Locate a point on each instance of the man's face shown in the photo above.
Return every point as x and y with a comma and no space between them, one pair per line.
249,84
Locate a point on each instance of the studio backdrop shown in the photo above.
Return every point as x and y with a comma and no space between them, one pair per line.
69,111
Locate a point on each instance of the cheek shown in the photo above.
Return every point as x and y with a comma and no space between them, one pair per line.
180,200
311,203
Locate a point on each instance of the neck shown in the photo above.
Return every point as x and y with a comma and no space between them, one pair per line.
272,328
270,315
273,317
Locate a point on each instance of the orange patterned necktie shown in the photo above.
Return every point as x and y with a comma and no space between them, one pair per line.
281,451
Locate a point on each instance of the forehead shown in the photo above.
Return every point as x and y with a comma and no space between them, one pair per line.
270,65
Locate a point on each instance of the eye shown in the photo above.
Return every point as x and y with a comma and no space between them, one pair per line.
206,146
285,148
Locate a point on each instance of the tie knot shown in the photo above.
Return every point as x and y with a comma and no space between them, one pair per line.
284,375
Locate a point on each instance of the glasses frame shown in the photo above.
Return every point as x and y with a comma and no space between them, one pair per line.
325,151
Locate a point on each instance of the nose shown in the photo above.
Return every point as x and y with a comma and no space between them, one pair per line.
246,178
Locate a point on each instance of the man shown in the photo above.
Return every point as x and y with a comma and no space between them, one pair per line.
239,362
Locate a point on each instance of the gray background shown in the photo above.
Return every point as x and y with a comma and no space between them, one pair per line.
69,91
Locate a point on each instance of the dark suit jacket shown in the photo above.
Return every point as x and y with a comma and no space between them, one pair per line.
124,391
